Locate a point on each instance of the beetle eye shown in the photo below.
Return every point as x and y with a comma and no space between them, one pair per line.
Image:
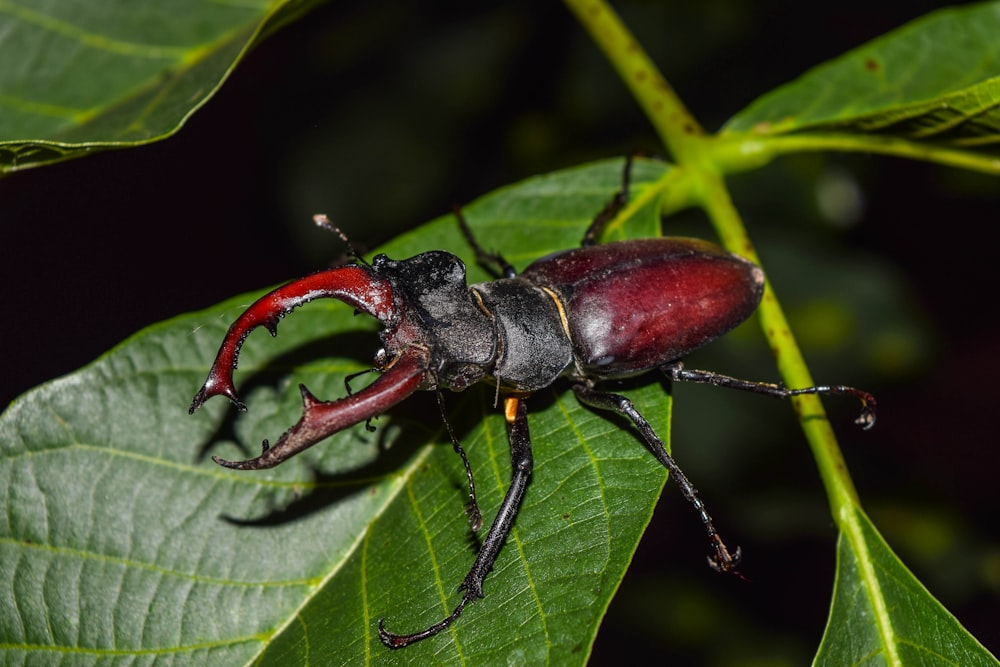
381,358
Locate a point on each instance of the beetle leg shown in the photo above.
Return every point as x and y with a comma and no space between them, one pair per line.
723,561
522,463
611,209
676,371
493,261
472,508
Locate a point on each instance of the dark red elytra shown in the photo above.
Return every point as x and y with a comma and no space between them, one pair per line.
637,305
588,315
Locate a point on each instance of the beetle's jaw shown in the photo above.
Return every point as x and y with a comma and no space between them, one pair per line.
355,285
320,419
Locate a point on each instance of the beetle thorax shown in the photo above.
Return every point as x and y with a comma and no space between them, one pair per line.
533,342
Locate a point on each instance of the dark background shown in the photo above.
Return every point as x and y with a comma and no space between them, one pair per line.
384,115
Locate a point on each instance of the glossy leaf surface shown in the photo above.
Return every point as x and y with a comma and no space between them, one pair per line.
935,79
81,76
121,540
881,614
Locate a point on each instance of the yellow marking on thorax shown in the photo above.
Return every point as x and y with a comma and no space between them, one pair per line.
559,307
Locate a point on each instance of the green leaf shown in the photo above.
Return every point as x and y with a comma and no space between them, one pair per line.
120,540
881,614
83,76
934,79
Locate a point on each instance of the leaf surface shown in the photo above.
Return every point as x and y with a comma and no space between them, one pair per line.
122,541
934,79
881,614
82,76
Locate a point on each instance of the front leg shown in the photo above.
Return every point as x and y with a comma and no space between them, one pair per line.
522,463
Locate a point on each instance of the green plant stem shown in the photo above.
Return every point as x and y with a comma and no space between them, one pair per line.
742,152
704,160
841,494
791,364
693,152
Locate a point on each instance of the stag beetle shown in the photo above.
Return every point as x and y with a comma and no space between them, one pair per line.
596,313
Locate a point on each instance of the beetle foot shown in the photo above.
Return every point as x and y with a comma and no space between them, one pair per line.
475,516
723,561
399,641
867,417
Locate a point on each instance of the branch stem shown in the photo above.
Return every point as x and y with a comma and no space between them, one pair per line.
699,156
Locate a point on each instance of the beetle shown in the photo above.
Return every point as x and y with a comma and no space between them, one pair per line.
588,315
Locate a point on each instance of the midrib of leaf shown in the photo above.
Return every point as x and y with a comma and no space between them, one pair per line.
149,567
735,153
365,605
435,565
851,527
200,471
513,537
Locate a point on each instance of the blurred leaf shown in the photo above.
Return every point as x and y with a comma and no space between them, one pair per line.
934,79
82,76
121,540
880,612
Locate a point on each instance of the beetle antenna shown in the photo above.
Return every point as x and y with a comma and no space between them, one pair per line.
472,507
676,371
352,250
492,261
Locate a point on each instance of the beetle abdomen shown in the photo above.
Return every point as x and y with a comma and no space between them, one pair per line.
636,305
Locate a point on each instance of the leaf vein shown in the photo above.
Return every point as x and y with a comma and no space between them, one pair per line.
150,567
91,39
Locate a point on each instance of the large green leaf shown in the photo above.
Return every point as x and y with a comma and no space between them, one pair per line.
935,79
121,540
79,76
881,614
